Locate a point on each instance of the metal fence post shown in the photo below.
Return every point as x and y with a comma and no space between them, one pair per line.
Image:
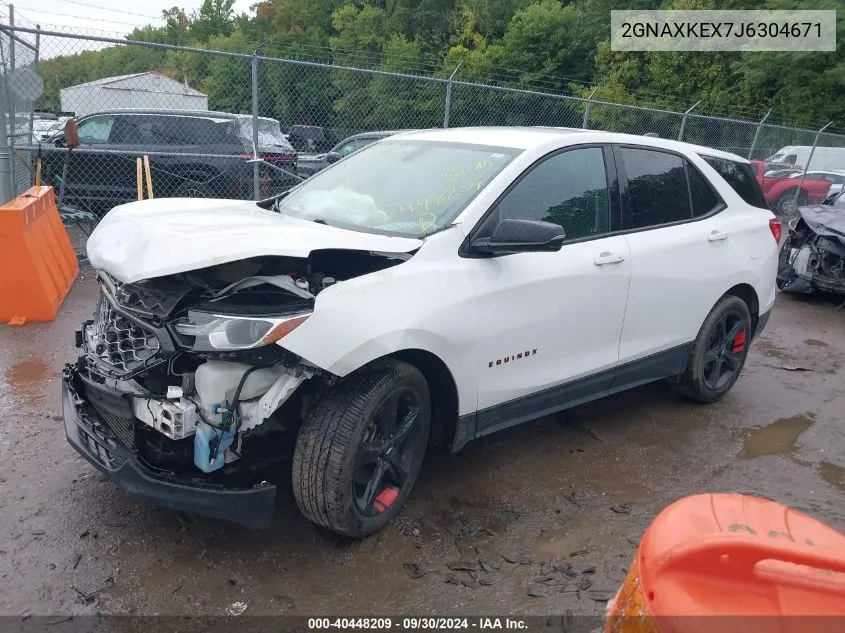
5,164
256,184
6,188
684,120
757,133
809,160
585,123
13,110
31,138
449,94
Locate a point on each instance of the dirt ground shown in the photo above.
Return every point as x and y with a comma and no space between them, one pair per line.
580,488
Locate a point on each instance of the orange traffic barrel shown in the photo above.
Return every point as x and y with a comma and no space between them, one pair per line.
732,564
37,263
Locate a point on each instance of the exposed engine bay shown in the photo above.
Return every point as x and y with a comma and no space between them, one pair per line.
813,255
184,369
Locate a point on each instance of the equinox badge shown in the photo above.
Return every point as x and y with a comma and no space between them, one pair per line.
508,359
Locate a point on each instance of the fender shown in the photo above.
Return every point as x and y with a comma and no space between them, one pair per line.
398,341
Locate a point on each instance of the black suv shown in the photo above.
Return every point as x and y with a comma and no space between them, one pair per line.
191,154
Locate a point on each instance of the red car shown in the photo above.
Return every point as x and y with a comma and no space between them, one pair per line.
780,192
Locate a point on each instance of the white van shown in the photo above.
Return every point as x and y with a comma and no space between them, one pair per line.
823,157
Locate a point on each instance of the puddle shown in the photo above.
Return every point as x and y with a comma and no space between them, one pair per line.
563,543
833,474
812,342
777,438
26,375
772,351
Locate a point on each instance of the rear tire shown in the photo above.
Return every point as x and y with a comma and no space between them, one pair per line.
360,449
719,352
785,205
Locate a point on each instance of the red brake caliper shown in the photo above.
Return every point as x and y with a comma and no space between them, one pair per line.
386,498
739,342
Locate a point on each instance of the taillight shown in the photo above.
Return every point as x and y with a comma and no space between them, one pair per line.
776,228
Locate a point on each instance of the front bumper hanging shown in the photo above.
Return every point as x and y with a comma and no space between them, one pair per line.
93,437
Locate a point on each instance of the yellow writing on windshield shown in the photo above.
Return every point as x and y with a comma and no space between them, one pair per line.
430,204
451,175
427,221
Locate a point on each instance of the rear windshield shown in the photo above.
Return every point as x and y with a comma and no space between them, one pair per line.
269,134
740,176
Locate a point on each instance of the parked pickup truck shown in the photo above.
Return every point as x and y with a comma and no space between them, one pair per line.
780,192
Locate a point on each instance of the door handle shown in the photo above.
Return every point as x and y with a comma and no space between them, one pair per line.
717,236
608,258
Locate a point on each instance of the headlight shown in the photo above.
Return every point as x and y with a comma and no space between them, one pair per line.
220,332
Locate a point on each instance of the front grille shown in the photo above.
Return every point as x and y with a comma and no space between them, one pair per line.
147,299
117,344
123,428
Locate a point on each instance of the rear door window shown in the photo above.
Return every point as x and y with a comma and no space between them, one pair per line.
657,188
740,176
704,199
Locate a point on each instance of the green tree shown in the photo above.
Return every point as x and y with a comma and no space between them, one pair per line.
215,18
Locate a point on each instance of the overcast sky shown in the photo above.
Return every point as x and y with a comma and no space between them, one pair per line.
106,15
114,17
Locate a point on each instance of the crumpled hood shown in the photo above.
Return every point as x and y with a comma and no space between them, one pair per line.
165,236
825,220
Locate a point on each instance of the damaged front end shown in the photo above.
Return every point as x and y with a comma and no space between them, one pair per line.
180,394
813,255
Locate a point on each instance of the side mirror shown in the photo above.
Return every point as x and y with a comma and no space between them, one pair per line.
71,137
333,157
520,236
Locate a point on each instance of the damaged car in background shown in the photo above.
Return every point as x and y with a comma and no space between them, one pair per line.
433,287
813,255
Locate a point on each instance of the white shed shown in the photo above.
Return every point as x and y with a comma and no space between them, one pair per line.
139,90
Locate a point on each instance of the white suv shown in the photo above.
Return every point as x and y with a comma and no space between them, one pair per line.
436,286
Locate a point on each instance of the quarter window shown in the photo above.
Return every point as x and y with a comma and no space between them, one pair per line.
657,187
741,178
569,189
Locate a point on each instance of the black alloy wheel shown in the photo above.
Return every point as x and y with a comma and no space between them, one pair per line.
360,448
719,351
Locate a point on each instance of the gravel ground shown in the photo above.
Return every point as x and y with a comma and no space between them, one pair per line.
482,529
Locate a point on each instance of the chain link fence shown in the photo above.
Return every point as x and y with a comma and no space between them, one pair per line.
211,123
19,92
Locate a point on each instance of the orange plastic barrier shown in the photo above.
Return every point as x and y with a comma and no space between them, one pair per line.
37,263
733,564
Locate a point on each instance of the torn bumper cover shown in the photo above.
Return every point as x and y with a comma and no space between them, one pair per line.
96,439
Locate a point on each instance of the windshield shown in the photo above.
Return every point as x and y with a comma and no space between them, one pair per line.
401,187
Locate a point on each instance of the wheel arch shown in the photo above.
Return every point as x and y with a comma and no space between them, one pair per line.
747,293
443,391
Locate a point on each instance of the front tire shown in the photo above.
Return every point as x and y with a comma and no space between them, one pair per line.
360,448
719,352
